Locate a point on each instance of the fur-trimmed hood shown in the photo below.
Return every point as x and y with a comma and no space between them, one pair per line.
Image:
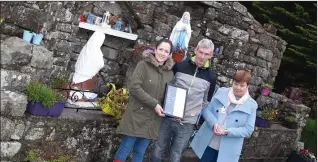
149,56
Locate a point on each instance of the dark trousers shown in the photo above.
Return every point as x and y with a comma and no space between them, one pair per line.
209,155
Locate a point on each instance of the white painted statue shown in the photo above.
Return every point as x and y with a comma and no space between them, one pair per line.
181,33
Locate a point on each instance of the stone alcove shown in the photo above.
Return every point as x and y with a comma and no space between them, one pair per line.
244,41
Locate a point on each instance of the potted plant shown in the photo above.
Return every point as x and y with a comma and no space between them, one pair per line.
301,155
43,101
264,117
115,102
60,84
290,122
266,89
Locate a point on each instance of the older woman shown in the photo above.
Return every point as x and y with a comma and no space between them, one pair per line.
141,120
229,117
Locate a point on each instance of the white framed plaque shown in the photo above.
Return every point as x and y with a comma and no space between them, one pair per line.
175,101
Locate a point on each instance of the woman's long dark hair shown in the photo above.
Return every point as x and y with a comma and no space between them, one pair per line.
166,41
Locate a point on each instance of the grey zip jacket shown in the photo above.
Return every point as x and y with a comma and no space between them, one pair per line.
200,82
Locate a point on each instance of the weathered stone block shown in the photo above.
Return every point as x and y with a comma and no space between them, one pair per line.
267,41
58,35
60,45
64,15
172,20
13,80
276,63
11,29
64,27
35,133
142,34
264,54
249,59
7,127
196,11
109,53
18,131
214,25
13,103
111,67
116,43
262,72
262,100
25,17
9,149
62,61
210,14
261,63
162,29
15,53
234,33
255,80
240,8
213,4
42,58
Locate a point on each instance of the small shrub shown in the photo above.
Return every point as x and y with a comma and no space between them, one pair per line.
290,119
269,86
59,82
36,91
30,156
268,114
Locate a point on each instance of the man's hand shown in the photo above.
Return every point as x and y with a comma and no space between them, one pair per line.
159,110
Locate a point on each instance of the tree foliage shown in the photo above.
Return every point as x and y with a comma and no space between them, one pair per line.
296,23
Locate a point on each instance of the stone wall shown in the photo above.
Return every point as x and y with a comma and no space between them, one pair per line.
287,107
243,42
90,136
64,39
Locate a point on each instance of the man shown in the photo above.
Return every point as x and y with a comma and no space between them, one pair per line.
196,76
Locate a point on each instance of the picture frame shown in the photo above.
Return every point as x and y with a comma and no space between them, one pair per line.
175,101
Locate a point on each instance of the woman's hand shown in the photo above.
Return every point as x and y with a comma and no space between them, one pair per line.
159,110
217,129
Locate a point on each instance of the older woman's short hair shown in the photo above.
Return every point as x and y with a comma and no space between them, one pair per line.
242,76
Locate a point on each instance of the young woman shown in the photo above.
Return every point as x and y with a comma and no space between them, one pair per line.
229,118
141,120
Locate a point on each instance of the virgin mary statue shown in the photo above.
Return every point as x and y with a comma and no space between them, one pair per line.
181,34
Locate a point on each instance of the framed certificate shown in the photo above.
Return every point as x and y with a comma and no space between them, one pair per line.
175,101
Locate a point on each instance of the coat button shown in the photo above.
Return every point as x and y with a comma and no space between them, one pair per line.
236,120
217,111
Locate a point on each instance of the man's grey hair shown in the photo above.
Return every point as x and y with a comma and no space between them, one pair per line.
206,43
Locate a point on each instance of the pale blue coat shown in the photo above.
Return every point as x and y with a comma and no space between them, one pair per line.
240,123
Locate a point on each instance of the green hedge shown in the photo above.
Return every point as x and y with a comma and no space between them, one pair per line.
309,135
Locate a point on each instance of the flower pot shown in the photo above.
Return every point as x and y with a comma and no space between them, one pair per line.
27,36
36,108
177,56
265,91
291,125
37,39
261,122
294,157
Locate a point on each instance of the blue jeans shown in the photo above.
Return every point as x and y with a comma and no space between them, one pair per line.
209,155
139,146
171,132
